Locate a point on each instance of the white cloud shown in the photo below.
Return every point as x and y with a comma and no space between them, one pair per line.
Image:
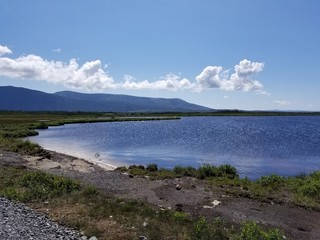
169,82
58,50
4,50
282,103
91,76
215,77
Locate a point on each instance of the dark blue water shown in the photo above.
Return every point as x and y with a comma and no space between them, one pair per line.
254,145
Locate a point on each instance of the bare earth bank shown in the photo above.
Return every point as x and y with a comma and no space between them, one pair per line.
194,197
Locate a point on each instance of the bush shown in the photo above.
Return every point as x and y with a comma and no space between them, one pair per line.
43,185
152,167
274,181
251,231
203,230
206,171
185,171
311,189
228,170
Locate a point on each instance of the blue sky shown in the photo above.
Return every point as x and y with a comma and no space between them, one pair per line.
242,54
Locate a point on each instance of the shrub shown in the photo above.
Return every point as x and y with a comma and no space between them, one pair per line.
311,188
206,171
203,230
252,231
185,171
274,181
43,185
228,170
121,169
152,167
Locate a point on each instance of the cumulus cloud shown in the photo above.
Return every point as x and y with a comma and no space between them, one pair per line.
242,79
91,76
4,50
169,82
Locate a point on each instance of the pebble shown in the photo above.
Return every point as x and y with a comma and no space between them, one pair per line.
18,221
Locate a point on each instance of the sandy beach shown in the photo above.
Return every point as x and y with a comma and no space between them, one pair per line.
195,197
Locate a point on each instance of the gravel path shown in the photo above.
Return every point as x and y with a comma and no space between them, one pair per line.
20,222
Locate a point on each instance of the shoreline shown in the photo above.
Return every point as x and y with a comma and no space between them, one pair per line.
66,162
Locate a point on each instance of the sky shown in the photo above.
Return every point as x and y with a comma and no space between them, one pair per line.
223,54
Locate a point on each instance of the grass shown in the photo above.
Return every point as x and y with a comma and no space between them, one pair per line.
104,216
204,172
301,190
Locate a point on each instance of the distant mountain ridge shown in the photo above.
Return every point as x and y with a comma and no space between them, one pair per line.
23,99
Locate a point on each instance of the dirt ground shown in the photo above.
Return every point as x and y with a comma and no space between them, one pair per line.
194,196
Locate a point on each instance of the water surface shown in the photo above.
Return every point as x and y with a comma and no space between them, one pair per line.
254,145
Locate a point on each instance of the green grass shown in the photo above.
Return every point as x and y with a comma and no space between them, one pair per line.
203,172
107,217
301,190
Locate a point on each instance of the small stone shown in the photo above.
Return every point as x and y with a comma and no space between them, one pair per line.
179,207
207,207
93,238
178,187
145,224
216,203
142,238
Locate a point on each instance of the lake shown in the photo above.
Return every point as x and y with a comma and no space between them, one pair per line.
256,146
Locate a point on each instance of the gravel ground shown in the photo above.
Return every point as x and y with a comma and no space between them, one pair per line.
20,222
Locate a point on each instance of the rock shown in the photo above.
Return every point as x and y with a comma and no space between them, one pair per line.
207,207
93,238
179,207
216,203
142,238
178,187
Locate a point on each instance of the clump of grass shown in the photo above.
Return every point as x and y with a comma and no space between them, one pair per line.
203,230
203,172
38,185
252,230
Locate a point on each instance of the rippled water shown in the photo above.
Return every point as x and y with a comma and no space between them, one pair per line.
254,145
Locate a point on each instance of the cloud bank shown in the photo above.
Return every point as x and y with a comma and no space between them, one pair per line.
91,76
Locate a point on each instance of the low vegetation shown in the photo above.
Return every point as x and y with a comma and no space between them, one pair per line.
303,190
96,213
204,172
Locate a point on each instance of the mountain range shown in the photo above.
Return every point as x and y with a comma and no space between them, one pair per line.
23,99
